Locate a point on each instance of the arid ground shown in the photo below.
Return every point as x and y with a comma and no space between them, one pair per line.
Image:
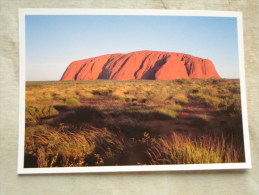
134,122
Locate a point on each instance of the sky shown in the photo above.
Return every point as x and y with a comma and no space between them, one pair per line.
54,41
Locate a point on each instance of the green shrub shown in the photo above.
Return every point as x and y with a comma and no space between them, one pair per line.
181,98
88,96
232,104
169,112
119,94
211,91
102,92
37,113
175,107
158,96
213,102
72,102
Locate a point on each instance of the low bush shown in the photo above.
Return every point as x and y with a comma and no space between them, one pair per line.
168,112
208,90
102,92
181,98
213,102
175,107
87,95
72,102
35,114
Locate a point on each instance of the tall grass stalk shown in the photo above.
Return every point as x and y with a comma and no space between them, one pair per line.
182,149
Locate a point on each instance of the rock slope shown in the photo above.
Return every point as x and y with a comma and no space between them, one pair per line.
153,65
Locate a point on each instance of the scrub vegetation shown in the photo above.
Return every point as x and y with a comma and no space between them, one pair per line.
133,122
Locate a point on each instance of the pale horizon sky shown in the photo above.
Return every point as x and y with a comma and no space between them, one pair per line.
54,41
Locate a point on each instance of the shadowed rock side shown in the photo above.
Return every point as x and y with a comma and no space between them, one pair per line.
141,65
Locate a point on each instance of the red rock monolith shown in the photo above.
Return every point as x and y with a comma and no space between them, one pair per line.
154,65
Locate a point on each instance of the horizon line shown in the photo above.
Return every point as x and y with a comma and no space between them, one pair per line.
133,79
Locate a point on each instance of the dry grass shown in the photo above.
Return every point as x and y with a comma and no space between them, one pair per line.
181,98
183,149
66,146
105,122
36,113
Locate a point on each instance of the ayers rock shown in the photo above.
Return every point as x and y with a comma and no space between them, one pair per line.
153,65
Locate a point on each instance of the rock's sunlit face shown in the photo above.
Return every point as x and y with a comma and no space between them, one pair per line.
141,65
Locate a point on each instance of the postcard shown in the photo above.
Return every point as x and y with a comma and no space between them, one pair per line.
131,90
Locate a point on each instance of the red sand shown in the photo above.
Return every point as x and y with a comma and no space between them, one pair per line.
141,65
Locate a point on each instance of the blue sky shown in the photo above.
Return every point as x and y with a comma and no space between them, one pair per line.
54,41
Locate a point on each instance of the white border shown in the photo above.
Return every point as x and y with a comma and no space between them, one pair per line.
155,12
